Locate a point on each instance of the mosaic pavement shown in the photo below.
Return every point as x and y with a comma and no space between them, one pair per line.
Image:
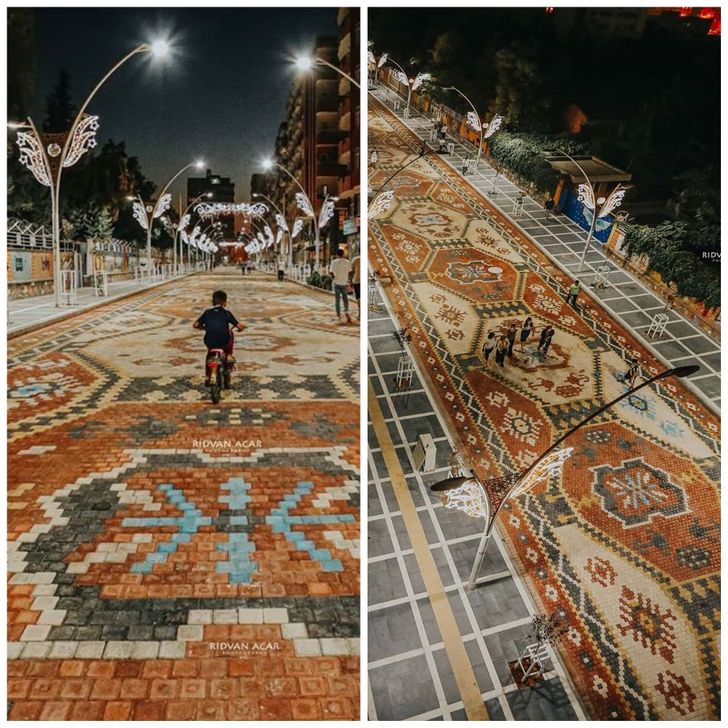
626,546
171,559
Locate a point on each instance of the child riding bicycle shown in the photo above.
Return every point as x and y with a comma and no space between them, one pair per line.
218,324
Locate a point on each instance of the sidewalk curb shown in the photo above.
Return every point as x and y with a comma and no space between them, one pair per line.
29,328
594,301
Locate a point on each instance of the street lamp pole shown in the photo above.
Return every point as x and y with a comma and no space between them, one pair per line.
588,196
382,201
550,463
48,161
477,115
159,208
282,218
305,63
307,207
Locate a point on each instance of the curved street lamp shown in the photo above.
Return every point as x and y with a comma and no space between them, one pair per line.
485,499
412,84
382,201
145,212
281,222
303,202
46,155
588,197
306,63
474,121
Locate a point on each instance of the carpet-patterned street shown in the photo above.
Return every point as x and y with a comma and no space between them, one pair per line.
626,546
173,559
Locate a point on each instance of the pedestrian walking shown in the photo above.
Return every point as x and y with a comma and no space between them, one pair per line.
630,376
545,340
511,335
355,277
501,349
339,271
549,207
573,293
373,157
526,331
281,269
488,345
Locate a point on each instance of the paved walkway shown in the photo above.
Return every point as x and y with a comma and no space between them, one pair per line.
27,313
411,676
171,559
624,545
628,299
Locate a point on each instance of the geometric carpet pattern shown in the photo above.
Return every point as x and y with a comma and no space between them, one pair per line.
174,559
625,544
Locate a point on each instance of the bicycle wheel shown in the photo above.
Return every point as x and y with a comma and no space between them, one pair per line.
216,384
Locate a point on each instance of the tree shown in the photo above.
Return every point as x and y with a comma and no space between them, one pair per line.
60,110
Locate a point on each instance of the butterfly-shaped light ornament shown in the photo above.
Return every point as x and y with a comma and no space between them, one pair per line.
473,120
401,76
140,214
269,237
370,57
551,466
420,78
382,59
304,205
381,203
184,221
297,227
327,212
281,222
84,138
495,124
279,235
32,156
163,204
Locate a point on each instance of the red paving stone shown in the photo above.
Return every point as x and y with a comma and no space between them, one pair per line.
627,547
171,559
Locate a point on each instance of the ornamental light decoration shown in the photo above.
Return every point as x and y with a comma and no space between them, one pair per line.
304,205
210,209
326,213
495,124
371,58
469,498
381,203
163,204
84,138
586,195
281,222
33,157
297,227
140,214
382,59
613,201
419,79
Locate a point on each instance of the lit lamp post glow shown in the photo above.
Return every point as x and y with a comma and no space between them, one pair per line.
474,120
146,213
485,499
599,207
412,84
47,155
306,63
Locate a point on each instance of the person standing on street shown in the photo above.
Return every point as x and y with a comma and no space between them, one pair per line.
339,270
373,157
281,269
545,341
526,331
511,335
549,207
488,345
501,349
573,293
355,277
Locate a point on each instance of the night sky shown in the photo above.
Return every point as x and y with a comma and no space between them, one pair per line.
220,96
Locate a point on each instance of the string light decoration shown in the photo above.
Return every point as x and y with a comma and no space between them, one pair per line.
281,222
210,209
551,466
469,498
297,227
381,203
32,157
304,205
83,139
326,213
163,204
140,214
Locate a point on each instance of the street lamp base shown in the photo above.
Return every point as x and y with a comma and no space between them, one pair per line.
470,585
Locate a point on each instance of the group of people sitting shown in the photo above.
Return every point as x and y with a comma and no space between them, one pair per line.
503,343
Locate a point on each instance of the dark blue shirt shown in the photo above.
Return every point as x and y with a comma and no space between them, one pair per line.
216,322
